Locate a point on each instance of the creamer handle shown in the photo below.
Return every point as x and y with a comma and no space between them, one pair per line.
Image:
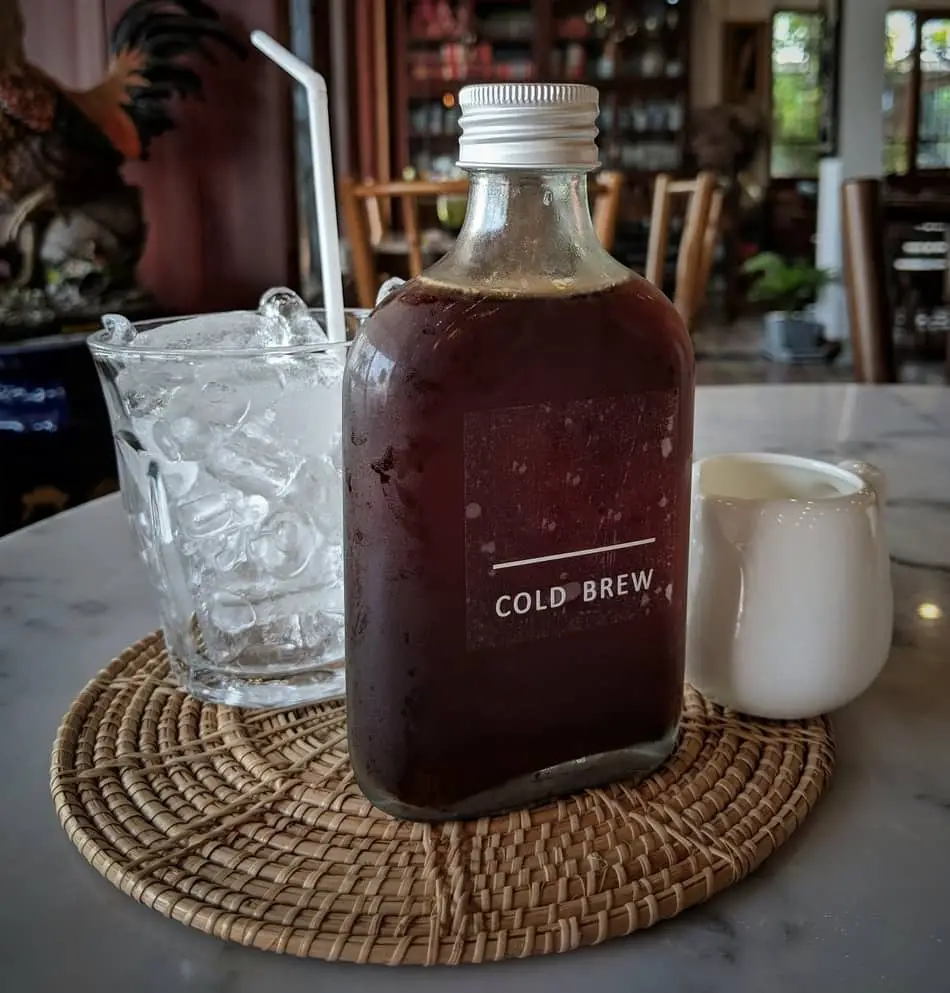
871,475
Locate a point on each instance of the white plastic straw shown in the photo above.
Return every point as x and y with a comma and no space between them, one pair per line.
324,195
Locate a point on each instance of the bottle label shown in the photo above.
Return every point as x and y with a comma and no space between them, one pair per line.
571,515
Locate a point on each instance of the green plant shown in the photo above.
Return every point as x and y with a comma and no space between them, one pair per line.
789,286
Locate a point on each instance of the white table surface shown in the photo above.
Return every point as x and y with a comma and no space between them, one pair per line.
859,900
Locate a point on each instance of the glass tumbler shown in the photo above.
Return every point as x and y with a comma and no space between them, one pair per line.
230,471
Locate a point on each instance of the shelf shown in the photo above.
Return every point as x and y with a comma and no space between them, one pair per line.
436,42
432,89
589,39
488,30
623,83
653,85
479,35
504,38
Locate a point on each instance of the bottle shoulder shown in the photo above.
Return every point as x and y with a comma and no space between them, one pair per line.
499,349
424,317
427,308
496,269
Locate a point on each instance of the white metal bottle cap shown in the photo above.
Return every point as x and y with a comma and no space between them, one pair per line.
528,126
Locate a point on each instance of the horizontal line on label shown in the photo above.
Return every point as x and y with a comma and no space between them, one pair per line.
574,555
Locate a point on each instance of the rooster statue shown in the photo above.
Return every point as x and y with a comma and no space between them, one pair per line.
66,214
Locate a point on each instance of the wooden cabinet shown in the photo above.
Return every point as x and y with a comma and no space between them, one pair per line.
635,51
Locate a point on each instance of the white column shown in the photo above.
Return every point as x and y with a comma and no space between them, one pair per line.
860,140
861,122
831,309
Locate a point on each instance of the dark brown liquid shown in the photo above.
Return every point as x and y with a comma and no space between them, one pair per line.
483,433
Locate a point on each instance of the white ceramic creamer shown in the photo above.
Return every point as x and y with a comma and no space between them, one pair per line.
791,607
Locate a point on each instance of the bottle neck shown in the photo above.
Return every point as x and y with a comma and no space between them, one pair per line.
528,232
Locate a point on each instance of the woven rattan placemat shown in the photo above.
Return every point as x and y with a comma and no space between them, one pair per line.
249,826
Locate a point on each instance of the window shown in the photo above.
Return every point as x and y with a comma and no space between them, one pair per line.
917,92
900,57
796,94
933,127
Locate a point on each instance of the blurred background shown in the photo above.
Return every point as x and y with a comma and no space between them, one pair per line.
782,105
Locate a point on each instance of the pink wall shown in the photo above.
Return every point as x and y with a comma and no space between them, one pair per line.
219,189
67,38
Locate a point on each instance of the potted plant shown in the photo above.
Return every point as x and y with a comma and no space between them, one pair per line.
791,332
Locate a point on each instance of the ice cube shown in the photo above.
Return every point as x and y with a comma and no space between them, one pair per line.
120,330
319,367
287,319
230,613
281,304
253,461
224,556
227,623
318,492
249,511
222,406
179,478
180,438
308,409
326,504
215,527
147,395
285,543
263,383
328,368
228,554
272,334
191,417
330,562
305,329
231,330
334,456
146,388
206,515
322,632
293,621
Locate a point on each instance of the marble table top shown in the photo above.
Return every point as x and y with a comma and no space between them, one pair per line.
857,901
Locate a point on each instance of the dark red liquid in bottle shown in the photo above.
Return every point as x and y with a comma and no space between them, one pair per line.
517,486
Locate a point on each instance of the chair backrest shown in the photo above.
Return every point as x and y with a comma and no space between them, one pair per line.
607,189
697,246
710,240
866,282
361,205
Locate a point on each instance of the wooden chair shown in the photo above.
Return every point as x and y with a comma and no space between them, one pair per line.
710,240
866,282
363,210
697,246
607,189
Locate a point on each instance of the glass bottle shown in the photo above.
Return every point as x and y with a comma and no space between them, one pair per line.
517,447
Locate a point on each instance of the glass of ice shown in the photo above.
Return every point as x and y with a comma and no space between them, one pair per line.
227,434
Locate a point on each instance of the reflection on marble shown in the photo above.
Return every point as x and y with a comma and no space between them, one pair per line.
855,902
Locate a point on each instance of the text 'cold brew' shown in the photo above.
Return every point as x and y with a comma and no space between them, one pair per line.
517,447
